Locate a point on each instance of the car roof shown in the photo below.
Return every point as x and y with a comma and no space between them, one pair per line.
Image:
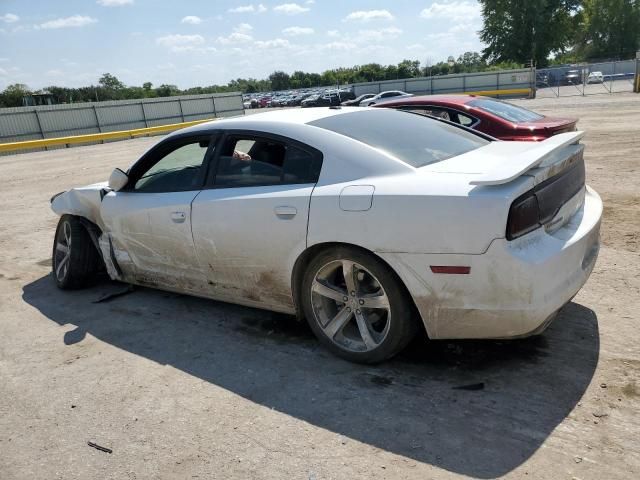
436,99
294,116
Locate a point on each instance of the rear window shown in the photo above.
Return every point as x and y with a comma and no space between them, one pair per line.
414,139
505,110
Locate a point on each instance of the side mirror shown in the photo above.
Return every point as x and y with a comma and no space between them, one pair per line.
118,180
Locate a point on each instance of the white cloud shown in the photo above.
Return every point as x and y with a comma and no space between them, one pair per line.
337,46
191,20
193,49
379,34
234,38
114,3
260,8
275,43
457,10
368,15
68,22
333,33
290,9
9,18
295,31
177,43
243,28
54,73
3,72
241,34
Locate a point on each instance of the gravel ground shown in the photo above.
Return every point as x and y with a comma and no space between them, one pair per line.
180,387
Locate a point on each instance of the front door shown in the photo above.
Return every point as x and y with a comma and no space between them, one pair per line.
149,222
251,224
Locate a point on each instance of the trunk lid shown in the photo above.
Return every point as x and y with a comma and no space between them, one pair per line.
501,162
547,126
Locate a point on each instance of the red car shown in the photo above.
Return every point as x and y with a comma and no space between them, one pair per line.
499,119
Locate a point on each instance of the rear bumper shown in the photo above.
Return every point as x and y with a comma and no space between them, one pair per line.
514,289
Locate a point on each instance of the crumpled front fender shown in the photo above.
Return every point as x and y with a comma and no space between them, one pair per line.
83,201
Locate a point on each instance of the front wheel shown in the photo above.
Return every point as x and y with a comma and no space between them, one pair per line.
75,260
356,305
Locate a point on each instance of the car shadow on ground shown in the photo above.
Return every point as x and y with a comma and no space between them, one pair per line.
478,408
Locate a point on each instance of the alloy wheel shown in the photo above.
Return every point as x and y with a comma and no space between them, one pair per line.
62,254
350,306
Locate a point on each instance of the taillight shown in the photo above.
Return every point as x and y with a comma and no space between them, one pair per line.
524,216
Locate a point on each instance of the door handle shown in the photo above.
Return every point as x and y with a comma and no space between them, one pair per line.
178,217
285,212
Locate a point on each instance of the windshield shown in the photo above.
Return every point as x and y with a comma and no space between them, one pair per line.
505,110
414,139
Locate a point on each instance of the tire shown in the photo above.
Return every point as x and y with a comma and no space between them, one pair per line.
367,323
74,260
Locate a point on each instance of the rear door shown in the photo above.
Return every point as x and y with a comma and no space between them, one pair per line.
149,222
250,223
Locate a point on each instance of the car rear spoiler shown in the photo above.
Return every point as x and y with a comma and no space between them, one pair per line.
524,161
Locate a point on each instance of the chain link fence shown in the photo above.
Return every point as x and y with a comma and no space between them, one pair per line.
586,79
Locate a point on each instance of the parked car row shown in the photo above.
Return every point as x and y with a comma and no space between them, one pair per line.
546,79
328,98
293,98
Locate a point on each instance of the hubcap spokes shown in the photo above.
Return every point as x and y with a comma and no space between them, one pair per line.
63,252
350,305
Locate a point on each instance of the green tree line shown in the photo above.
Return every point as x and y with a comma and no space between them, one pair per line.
110,87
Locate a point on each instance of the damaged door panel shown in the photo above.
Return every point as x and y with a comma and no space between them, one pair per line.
150,237
147,232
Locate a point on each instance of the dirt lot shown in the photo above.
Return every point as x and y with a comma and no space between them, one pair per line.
180,387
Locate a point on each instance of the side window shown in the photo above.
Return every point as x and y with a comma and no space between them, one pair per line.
254,161
465,120
177,170
432,112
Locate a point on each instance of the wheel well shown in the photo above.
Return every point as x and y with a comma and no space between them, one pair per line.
305,257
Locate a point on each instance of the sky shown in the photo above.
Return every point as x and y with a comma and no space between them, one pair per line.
204,42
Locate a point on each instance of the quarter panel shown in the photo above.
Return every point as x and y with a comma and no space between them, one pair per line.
416,213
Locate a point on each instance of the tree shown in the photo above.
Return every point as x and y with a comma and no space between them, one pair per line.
409,69
109,81
165,90
471,62
279,80
12,95
524,30
609,28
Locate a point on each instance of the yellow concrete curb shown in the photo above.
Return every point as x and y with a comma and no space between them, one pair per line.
96,137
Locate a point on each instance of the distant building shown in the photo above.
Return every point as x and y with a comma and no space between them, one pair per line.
35,99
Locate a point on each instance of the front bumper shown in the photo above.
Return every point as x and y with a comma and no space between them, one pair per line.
514,289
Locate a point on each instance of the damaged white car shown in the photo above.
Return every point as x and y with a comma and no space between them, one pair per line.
368,222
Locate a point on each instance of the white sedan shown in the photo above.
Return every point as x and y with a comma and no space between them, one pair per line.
371,223
595,77
383,96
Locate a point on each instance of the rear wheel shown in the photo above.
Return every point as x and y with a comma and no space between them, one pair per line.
356,305
75,260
